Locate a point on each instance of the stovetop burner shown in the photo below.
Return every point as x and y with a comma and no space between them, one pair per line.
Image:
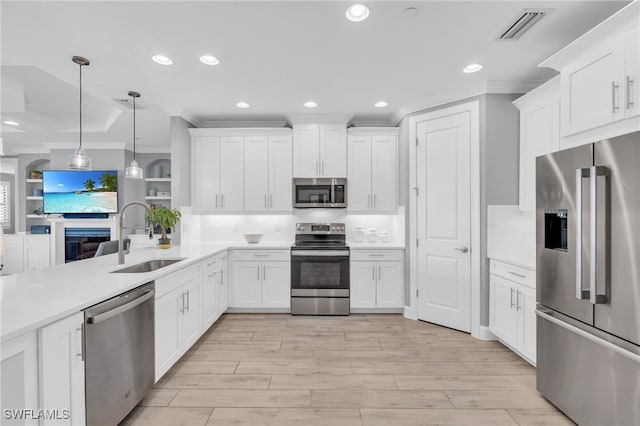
320,236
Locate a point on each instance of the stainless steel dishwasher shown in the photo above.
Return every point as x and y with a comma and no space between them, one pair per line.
119,354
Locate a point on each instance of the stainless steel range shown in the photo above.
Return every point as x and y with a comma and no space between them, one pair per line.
320,270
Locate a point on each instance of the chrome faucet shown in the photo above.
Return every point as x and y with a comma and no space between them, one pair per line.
122,228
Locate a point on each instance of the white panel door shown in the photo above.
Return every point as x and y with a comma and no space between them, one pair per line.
592,89
383,174
280,173
231,174
247,287
256,176
333,150
359,196
502,309
390,285
205,174
363,284
526,306
192,315
306,150
444,230
276,284
168,310
62,369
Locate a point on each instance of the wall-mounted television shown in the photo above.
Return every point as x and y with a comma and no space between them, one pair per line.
80,191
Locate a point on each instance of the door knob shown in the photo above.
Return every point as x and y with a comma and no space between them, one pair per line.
462,249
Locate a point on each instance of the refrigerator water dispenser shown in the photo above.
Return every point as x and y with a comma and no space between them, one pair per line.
555,229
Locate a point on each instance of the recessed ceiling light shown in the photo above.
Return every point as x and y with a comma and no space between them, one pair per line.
472,68
162,60
242,105
209,60
357,13
310,104
11,123
381,104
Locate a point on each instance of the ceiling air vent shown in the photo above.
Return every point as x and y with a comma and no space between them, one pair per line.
522,23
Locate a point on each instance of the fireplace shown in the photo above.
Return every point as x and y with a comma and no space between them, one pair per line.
82,243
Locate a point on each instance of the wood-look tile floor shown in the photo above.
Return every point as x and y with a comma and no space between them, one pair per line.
361,370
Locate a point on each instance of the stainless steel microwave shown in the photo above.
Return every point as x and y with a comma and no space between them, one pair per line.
319,193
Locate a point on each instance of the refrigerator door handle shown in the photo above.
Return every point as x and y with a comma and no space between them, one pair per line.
596,171
581,294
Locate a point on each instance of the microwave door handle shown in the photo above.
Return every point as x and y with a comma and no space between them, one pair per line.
581,294
596,171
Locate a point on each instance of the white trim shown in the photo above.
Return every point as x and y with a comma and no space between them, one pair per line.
319,118
29,149
86,145
234,131
464,92
485,334
473,108
242,124
366,131
164,149
410,313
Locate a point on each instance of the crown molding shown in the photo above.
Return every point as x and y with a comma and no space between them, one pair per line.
241,131
29,150
464,92
319,118
86,145
165,149
212,124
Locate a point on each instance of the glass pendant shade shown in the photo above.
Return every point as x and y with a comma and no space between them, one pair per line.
134,171
79,160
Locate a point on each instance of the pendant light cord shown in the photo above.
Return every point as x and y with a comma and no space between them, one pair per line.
134,127
80,65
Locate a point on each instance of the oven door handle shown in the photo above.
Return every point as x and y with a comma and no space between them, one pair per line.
321,253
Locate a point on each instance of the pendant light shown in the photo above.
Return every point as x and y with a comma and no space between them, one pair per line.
79,160
134,171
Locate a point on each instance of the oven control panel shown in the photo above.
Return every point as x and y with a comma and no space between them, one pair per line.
320,228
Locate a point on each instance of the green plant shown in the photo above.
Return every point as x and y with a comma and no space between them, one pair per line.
163,217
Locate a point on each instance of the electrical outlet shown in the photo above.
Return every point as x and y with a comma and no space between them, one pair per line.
277,227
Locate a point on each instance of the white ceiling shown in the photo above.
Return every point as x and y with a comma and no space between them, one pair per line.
274,55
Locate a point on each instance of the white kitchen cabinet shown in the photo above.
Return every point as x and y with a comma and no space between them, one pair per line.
512,306
217,174
261,279
37,252
268,173
62,369
222,287
320,150
191,320
210,291
372,169
599,73
539,135
13,260
377,279
19,366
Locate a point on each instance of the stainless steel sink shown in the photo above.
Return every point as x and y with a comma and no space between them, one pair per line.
148,266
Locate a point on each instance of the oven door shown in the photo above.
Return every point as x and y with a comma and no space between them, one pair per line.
320,273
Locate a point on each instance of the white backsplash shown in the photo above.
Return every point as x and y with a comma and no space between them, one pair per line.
511,234
277,228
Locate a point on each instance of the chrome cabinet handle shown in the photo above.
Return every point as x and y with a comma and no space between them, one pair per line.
614,89
322,167
511,298
264,272
373,273
629,101
258,271
182,303
216,201
265,201
369,201
270,201
375,200
222,201
81,347
379,273
188,300
517,274
211,274
462,249
317,169
518,300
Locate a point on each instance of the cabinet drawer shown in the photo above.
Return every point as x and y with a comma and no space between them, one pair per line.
171,281
260,255
515,273
376,255
209,264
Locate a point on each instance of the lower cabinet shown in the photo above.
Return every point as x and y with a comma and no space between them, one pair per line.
512,313
178,323
62,371
377,284
19,367
261,283
222,285
26,253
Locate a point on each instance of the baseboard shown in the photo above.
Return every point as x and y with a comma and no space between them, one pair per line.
258,311
410,313
376,310
484,334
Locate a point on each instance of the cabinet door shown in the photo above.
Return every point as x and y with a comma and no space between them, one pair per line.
231,174
632,73
390,285
19,366
247,291
13,260
306,151
280,173
333,150
222,292
168,311
192,315
502,309
592,89
205,173
209,297
276,285
359,197
256,176
384,174
363,284
62,369
37,252
526,305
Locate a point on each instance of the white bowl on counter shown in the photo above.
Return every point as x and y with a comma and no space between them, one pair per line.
253,238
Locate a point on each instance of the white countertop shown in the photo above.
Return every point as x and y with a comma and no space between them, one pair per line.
524,262
374,246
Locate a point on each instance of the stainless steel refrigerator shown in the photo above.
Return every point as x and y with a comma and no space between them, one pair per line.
588,281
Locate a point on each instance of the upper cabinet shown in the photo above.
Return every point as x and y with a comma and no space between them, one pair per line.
320,150
373,164
238,170
539,135
599,80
